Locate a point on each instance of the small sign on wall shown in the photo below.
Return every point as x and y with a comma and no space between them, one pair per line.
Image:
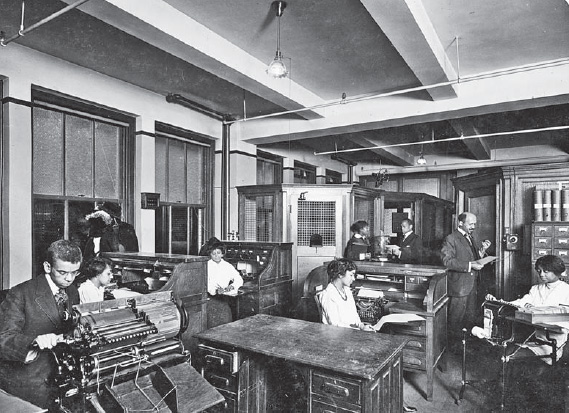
150,200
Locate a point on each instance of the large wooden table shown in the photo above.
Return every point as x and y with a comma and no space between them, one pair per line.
340,368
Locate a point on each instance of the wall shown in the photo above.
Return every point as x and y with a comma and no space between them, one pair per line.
24,68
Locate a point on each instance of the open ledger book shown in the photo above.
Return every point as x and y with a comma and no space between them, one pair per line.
397,319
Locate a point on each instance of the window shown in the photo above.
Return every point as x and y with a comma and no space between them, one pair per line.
269,168
184,179
333,177
304,173
79,159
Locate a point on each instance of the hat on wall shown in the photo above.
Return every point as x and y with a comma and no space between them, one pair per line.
111,208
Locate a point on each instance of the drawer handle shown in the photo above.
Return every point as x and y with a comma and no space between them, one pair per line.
414,344
214,359
218,379
335,389
562,241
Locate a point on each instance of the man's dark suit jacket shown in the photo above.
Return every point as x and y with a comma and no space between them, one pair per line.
456,254
411,249
30,310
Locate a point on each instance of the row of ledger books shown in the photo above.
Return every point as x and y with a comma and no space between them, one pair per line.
551,204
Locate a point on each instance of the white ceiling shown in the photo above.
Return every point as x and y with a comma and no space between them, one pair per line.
215,52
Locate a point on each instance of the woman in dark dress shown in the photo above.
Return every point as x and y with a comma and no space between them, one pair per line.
359,243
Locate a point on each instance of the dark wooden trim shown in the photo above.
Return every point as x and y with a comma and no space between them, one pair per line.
16,101
142,132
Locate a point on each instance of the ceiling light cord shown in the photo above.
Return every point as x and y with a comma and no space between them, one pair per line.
471,78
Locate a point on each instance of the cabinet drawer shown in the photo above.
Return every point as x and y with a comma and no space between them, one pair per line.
335,388
320,407
563,254
416,344
561,231
561,243
221,381
543,230
414,359
229,405
540,252
220,360
542,242
415,328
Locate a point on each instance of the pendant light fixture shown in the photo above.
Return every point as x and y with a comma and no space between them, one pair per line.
277,68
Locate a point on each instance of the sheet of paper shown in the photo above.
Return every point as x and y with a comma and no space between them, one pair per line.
367,293
231,293
486,260
397,319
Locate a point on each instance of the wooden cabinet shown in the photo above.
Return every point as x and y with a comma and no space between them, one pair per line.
184,275
339,369
420,290
294,213
266,268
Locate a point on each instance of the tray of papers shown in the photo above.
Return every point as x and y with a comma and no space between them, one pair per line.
547,314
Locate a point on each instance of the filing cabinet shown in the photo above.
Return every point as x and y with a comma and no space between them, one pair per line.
549,238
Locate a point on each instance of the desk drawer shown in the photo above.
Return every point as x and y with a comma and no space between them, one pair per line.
414,328
335,388
540,252
414,359
221,381
561,231
320,407
219,360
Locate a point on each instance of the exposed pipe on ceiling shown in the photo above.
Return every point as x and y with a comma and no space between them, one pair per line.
465,79
49,18
458,138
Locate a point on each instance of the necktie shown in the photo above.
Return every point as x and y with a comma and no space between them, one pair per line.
61,301
472,248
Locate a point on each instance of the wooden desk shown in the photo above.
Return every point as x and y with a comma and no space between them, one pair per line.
417,289
343,369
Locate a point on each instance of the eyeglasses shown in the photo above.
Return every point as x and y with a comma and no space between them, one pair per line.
66,273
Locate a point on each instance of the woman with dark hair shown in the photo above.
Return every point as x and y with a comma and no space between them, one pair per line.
337,301
359,243
223,280
97,274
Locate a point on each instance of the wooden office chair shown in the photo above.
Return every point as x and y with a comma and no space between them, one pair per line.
307,308
318,300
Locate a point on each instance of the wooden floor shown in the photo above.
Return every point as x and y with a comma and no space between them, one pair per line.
483,368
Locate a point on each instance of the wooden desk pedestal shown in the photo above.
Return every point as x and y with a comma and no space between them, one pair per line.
343,370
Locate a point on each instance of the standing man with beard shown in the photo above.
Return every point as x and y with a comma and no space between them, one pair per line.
32,322
460,254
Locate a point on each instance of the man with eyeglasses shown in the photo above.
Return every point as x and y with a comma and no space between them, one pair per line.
32,322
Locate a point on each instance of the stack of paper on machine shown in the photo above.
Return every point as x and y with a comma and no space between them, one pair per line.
368,293
397,319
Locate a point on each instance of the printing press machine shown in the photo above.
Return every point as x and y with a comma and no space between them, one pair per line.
127,355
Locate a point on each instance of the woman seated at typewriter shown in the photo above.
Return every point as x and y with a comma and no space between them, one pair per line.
550,292
535,383
337,302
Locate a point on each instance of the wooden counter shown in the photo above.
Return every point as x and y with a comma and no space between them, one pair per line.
417,289
343,369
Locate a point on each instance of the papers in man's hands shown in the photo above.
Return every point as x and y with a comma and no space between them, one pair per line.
486,260
397,319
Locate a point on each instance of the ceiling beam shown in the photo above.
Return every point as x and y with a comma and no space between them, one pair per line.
408,27
398,156
161,25
477,147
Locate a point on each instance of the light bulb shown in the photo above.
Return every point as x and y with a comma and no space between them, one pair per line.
277,68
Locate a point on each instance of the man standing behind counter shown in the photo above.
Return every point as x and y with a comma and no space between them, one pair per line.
31,323
410,250
460,253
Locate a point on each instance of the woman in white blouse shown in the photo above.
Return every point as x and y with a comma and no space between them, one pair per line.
97,273
337,301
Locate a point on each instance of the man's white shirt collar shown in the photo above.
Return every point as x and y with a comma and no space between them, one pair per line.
54,288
